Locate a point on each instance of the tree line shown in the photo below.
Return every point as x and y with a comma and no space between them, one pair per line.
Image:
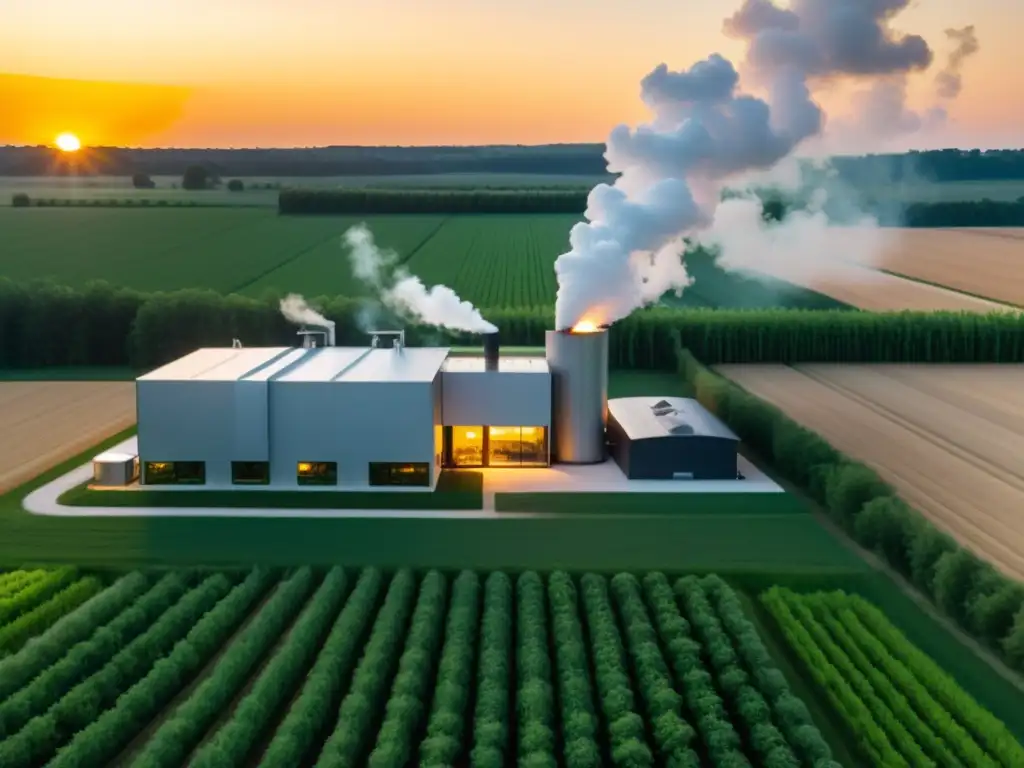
985,603
43,324
554,159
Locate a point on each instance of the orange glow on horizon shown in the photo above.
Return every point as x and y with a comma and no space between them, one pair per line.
67,142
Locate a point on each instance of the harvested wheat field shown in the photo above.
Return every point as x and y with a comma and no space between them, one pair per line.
983,262
949,438
45,422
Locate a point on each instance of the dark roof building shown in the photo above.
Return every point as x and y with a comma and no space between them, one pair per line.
654,438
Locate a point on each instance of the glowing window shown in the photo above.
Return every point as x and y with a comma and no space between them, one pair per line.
415,473
250,472
317,473
174,473
468,446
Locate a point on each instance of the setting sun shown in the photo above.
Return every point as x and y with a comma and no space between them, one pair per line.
68,142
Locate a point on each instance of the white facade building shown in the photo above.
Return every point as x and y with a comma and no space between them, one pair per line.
353,417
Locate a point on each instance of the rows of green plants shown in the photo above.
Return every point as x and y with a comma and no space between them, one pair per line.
34,620
24,596
979,598
43,325
22,200
893,709
238,668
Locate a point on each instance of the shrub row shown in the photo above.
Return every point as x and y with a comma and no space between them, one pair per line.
580,737
410,694
445,734
43,324
789,712
491,715
880,637
626,733
100,742
41,652
21,200
535,695
42,736
310,713
933,726
178,735
88,655
365,699
672,735
683,653
16,633
33,593
230,745
972,592
15,581
749,703
370,201
806,638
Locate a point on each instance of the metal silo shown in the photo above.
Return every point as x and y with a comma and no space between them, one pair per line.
579,374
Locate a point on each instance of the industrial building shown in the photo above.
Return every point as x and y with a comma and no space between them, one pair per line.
389,415
653,438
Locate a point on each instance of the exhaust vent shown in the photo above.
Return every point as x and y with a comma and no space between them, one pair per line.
492,351
579,374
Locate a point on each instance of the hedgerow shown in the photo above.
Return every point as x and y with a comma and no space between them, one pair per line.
180,733
42,736
491,715
366,697
626,733
673,736
42,651
309,715
580,728
789,713
446,729
35,621
683,654
987,729
410,693
235,739
88,655
33,593
535,697
885,742
101,741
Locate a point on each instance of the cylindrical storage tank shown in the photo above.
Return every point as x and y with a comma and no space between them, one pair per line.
579,377
492,351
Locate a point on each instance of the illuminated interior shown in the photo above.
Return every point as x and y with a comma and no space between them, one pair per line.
467,445
174,473
317,473
496,446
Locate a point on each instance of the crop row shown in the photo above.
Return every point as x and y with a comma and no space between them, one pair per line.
339,668
899,704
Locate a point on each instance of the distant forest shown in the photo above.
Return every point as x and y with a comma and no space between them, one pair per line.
584,160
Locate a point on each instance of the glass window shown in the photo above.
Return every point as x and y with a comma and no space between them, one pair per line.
174,473
467,446
534,450
505,446
415,473
250,472
317,473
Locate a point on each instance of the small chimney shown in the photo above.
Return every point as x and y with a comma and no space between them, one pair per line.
492,351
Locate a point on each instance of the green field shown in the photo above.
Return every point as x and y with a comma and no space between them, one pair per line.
493,261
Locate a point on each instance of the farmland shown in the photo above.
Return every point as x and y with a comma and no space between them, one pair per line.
45,423
946,437
366,667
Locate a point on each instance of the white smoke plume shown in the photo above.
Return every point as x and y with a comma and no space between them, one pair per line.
949,81
296,310
405,293
705,132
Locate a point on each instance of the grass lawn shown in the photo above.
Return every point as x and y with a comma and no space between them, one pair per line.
623,503
455,490
69,373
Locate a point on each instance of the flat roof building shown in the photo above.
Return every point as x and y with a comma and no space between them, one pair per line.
654,438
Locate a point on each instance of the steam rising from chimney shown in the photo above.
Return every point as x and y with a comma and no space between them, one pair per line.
296,310
705,132
405,293
949,81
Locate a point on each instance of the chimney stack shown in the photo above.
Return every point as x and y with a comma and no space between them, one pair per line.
492,351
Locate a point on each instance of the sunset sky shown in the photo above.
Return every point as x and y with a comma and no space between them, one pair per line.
205,73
